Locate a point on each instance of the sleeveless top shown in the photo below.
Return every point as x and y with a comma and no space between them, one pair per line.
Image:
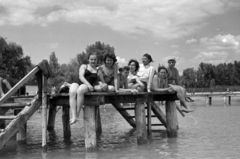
90,77
108,78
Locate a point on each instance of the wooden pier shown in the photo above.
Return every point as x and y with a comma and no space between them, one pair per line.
209,96
92,119
141,121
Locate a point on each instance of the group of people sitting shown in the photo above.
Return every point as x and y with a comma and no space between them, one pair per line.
133,78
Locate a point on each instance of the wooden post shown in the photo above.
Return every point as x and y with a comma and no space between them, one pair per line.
44,113
141,131
2,122
65,121
171,116
90,128
52,115
210,100
22,132
149,119
229,100
98,122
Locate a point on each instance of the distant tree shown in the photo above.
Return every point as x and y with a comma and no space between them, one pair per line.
237,72
15,63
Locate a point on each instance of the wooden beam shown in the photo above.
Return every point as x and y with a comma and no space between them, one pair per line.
141,131
44,112
52,115
90,128
171,116
18,85
9,117
21,119
159,113
124,114
13,105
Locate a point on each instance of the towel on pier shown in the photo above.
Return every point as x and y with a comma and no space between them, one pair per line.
44,66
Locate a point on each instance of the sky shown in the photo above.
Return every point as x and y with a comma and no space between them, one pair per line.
192,31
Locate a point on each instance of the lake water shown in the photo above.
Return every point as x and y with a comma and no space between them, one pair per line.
208,132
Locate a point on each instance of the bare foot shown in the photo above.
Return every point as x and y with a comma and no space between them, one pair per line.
187,110
73,121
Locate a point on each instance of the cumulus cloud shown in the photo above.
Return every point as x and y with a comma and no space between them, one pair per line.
174,46
163,19
191,41
222,42
121,61
54,45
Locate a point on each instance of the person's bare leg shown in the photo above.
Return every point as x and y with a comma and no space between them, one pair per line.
82,89
73,101
181,94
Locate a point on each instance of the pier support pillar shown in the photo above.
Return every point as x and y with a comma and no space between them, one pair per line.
90,128
140,117
229,100
210,100
52,115
172,121
98,122
22,132
65,121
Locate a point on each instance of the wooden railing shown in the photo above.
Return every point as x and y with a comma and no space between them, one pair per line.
41,71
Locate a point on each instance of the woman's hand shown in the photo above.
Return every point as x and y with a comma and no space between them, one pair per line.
170,89
104,86
90,87
134,91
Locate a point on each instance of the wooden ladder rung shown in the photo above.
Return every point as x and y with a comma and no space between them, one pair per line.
126,108
11,117
151,116
156,124
13,105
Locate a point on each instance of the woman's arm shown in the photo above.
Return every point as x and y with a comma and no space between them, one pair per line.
151,74
116,78
7,84
155,86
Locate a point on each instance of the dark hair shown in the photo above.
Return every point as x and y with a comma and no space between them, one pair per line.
111,56
92,53
149,57
162,67
120,69
126,68
136,63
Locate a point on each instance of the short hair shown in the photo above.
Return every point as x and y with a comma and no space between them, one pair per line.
111,56
136,63
120,69
92,53
149,57
162,67
126,68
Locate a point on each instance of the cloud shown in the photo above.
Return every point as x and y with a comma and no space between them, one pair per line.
176,53
121,61
54,45
222,42
163,19
174,46
191,41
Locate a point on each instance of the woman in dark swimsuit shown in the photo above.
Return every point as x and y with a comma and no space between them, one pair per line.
88,78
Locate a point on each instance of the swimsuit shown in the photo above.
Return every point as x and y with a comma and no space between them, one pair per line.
90,77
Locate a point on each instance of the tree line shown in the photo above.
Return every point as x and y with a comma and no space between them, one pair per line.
16,66
209,75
